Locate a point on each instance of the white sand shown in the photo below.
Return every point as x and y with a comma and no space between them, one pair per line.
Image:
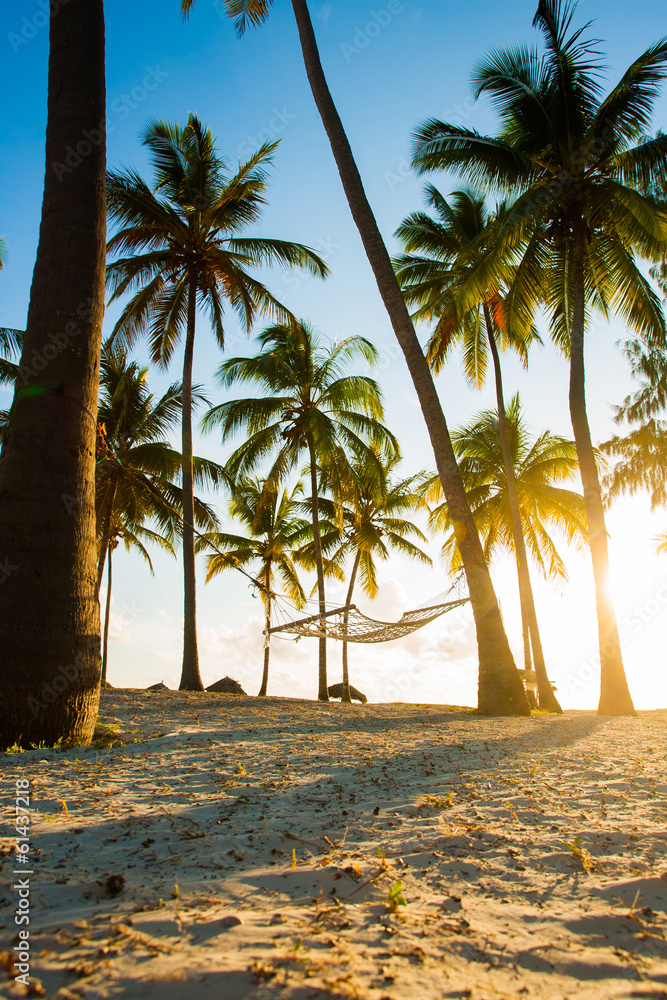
496,905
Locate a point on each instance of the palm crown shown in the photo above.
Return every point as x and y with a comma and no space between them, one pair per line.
273,525
540,464
444,254
188,232
577,161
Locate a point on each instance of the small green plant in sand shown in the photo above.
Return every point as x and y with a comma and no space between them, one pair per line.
298,944
176,891
17,748
579,853
437,803
381,856
395,897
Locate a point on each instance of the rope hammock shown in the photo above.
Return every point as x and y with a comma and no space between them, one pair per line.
351,624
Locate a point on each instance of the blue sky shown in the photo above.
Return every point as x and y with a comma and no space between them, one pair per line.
389,66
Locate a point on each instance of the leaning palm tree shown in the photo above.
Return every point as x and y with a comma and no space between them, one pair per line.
371,525
443,258
312,407
183,249
49,622
271,519
134,538
500,689
540,466
584,172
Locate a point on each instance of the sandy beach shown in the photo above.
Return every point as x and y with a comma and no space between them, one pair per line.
232,848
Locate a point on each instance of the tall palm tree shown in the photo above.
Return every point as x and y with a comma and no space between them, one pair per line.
371,525
312,406
49,617
184,250
584,171
137,468
270,516
133,538
500,688
443,256
540,465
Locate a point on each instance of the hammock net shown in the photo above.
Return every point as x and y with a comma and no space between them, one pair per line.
349,623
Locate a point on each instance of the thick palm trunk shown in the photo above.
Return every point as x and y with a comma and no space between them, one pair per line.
500,689
531,635
345,696
107,618
49,613
267,634
190,676
615,697
323,687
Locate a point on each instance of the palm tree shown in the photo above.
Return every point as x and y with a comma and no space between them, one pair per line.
442,260
642,452
185,251
312,406
584,171
371,526
137,467
270,517
133,538
539,466
49,624
500,688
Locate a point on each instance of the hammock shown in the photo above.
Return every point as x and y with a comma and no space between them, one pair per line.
359,628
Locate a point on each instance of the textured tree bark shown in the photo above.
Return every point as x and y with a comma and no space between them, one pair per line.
190,676
615,696
267,635
547,699
500,689
323,687
49,613
107,617
345,696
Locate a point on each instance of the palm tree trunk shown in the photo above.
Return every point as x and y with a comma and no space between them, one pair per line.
49,614
500,689
267,634
190,676
106,536
345,696
107,617
323,687
615,696
547,699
